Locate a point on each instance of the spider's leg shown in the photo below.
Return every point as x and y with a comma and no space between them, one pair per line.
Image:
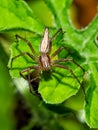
59,50
72,73
69,60
28,77
29,81
53,37
26,70
24,53
27,42
34,79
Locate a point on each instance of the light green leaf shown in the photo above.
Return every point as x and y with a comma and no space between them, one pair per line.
16,14
58,86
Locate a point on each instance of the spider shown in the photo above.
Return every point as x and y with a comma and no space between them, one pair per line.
45,60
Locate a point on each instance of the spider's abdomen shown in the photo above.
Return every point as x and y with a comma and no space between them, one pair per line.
44,60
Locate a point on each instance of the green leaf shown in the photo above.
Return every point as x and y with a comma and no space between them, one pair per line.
6,94
22,62
91,107
59,86
84,42
16,14
81,40
56,19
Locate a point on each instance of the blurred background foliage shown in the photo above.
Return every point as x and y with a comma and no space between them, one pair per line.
18,112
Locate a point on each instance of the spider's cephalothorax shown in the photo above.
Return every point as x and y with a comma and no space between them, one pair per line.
45,60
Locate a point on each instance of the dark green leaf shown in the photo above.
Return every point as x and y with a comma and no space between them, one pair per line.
58,108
